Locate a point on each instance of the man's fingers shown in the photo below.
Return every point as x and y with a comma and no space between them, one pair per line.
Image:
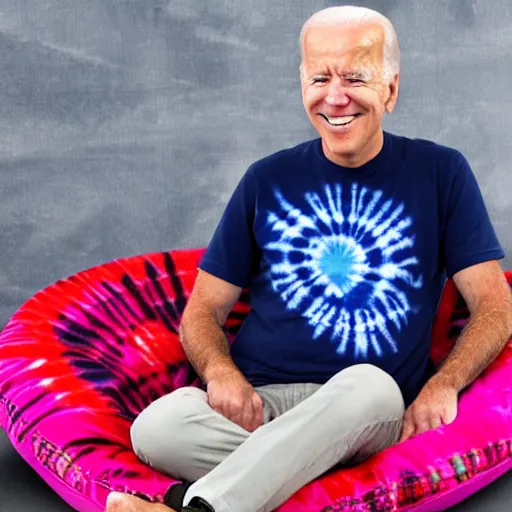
408,429
216,406
435,422
419,421
257,400
248,417
250,412
432,408
449,415
257,404
423,424
231,409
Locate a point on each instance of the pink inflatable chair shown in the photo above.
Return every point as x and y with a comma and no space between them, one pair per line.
82,358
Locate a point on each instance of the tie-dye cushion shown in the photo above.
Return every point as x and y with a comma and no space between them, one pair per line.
82,358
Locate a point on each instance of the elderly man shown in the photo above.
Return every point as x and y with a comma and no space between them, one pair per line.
345,242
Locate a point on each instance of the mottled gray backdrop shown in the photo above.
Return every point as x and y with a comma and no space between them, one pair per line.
126,124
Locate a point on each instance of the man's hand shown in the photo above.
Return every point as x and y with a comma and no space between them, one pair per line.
436,405
233,396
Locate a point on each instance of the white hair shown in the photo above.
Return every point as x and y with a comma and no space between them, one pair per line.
352,15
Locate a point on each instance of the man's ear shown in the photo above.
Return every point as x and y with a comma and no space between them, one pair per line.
393,88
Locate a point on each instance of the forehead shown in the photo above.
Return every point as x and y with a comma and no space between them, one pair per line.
361,46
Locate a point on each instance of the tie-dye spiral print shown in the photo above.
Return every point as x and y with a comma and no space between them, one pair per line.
345,263
83,357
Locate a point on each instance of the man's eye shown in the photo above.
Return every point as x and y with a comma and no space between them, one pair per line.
355,81
319,80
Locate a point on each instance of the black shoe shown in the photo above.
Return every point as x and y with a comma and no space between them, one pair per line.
175,494
197,505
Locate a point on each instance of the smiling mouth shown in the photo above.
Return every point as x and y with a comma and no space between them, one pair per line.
340,121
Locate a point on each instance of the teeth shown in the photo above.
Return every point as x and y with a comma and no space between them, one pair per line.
339,121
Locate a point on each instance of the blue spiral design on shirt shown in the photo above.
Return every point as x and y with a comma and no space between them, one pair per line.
345,263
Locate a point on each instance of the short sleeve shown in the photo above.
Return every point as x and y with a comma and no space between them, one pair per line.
469,237
232,252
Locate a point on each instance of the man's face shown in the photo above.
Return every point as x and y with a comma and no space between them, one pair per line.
344,92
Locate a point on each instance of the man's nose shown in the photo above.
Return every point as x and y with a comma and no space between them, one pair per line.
337,95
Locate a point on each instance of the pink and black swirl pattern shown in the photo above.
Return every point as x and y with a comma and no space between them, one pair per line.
82,358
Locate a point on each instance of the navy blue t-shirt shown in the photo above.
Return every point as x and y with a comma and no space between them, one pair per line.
347,265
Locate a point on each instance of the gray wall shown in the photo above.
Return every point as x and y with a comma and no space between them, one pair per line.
126,124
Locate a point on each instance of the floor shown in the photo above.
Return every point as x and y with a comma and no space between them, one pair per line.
21,490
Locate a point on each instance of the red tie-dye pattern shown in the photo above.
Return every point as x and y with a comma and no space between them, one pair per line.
83,357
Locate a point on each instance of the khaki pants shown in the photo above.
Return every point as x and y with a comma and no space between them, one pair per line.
309,428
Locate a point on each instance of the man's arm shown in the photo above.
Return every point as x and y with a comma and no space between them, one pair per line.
201,332
206,346
489,300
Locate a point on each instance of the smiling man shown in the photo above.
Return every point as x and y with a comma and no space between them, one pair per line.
345,242
348,82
